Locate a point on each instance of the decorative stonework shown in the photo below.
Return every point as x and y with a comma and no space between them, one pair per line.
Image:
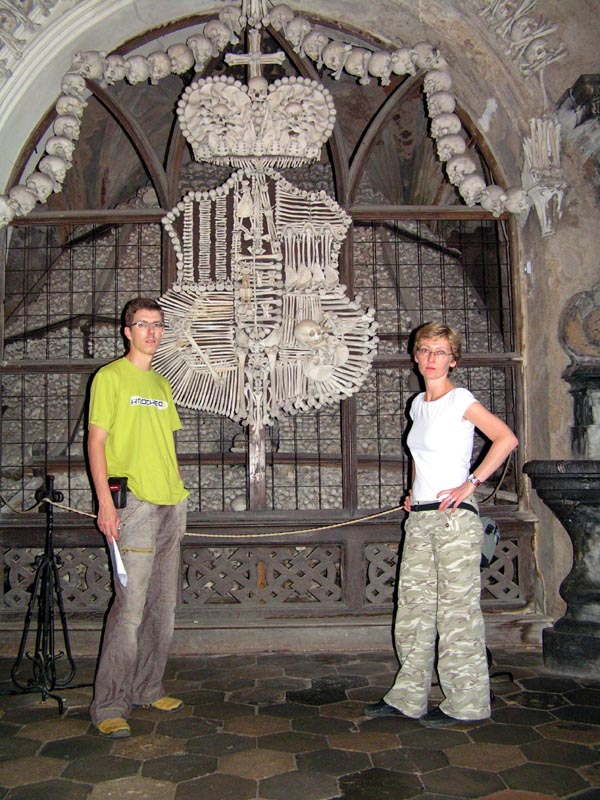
20,21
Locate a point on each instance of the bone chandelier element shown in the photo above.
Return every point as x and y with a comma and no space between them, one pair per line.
258,324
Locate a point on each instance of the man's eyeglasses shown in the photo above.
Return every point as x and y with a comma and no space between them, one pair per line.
142,324
425,352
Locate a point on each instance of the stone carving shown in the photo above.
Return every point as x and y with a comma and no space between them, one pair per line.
8,26
542,176
580,327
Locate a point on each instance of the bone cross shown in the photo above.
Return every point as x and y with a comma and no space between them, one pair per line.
254,58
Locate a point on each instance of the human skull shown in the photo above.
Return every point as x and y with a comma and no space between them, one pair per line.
440,103
536,52
517,201
219,34
449,146
73,84
402,62
137,69
40,185
89,64
7,212
309,332
258,89
493,199
437,80
202,50
357,64
313,45
380,66
60,146
458,168
471,188
279,16
182,58
295,31
444,124
22,200
231,17
68,126
522,28
335,55
427,57
160,66
55,168
67,105
114,69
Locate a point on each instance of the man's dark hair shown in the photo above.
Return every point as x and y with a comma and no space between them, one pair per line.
139,304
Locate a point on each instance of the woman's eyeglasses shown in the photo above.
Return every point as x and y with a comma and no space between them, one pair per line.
425,352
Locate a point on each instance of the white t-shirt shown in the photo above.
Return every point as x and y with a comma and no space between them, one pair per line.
441,443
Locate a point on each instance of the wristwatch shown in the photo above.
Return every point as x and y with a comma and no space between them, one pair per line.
474,480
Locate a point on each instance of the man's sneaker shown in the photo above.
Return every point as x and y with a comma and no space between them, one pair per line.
166,704
114,728
383,709
437,719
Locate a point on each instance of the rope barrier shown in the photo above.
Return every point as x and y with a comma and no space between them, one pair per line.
227,535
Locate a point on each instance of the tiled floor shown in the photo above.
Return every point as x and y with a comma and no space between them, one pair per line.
291,727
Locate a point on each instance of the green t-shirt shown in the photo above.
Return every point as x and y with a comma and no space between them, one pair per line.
136,408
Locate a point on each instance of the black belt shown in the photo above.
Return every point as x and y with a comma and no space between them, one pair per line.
436,507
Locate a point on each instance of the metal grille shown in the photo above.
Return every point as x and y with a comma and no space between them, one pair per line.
65,287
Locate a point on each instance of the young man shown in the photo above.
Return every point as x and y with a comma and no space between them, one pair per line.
131,424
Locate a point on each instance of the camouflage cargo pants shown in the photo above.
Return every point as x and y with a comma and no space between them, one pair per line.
439,593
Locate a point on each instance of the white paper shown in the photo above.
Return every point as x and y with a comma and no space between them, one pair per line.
118,564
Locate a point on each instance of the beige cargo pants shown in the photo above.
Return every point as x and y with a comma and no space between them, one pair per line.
439,593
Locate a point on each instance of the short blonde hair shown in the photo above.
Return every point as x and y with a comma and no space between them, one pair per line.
439,330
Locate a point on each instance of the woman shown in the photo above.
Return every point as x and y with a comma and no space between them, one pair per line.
439,588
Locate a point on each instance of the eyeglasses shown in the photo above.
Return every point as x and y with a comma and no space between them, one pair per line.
425,352
142,324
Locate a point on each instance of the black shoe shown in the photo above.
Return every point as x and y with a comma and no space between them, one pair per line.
437,719
383,709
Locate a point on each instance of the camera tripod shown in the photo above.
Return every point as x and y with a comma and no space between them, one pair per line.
46,592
